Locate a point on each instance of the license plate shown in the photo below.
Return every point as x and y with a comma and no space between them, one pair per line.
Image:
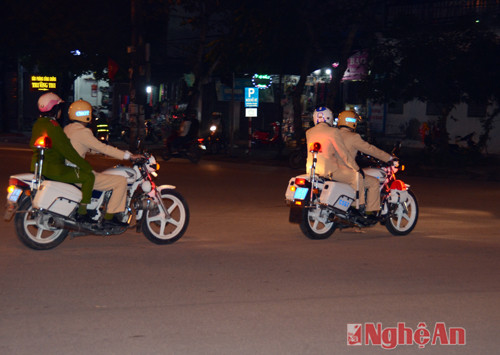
14,195
300,193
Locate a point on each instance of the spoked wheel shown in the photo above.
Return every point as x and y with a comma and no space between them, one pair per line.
166,222
315,223
33,230
403,219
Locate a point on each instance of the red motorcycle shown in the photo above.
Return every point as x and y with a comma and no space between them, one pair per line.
266,138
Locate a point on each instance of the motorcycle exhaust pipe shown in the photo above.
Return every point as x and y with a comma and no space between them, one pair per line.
68,224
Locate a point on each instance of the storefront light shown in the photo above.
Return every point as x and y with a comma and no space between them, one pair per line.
149,89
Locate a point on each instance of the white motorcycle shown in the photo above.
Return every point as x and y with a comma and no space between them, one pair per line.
321,205
45,210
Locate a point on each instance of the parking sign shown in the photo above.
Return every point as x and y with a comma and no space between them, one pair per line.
251,97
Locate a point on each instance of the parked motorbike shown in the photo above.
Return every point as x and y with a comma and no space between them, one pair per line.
267,138
321,205
44,211
192,150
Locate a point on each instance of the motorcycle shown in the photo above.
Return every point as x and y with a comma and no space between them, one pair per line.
45,211
321,205
192,149
267,138
215,142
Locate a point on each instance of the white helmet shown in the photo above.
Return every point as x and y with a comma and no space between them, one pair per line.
323,114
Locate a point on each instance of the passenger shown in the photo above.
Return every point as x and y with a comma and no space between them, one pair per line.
54,166
82,139
347,123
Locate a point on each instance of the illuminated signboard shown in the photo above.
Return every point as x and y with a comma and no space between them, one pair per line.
43,83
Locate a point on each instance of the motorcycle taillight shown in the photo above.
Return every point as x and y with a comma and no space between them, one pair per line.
17,182
300,182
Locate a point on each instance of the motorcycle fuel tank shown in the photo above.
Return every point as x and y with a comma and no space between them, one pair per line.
124,171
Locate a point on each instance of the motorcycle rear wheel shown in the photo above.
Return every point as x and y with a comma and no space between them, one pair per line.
160,229
315,224
404,218
194,154
33,235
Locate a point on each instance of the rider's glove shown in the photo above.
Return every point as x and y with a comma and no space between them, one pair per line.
394,161
362,173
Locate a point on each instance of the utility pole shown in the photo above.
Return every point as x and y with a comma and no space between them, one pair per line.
137,73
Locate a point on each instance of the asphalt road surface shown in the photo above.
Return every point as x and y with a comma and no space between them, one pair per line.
244,281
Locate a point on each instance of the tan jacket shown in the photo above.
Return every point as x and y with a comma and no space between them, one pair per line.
84,141
355,143
333,151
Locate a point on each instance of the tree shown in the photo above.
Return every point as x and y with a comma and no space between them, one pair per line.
444,65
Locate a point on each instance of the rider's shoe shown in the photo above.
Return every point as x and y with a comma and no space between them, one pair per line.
84,218
371,219
114,222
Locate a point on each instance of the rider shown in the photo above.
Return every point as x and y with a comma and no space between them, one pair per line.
54,166
347,122
82,139
187,132
332,160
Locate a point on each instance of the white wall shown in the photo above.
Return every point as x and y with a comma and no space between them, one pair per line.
83,89
460,125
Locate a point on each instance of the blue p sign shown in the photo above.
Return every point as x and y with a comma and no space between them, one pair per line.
251,97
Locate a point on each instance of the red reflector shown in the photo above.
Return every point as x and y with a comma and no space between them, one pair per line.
17,182
398,185
300,181
43,142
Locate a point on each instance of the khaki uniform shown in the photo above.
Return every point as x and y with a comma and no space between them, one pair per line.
333,161
84,141
355,143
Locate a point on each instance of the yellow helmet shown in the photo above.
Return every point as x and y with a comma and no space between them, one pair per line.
80,111
348,119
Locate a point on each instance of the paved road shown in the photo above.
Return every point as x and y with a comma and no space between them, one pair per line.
245,281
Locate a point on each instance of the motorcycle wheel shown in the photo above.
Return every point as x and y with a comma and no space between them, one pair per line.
297,159
404,218
159,228
34,235
194,154
315,224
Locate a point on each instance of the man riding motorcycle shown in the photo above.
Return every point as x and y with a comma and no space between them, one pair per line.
347,123
54,166
83,140
333,151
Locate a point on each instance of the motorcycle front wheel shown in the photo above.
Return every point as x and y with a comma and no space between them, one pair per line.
404,218
315,224
167,222
33,234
